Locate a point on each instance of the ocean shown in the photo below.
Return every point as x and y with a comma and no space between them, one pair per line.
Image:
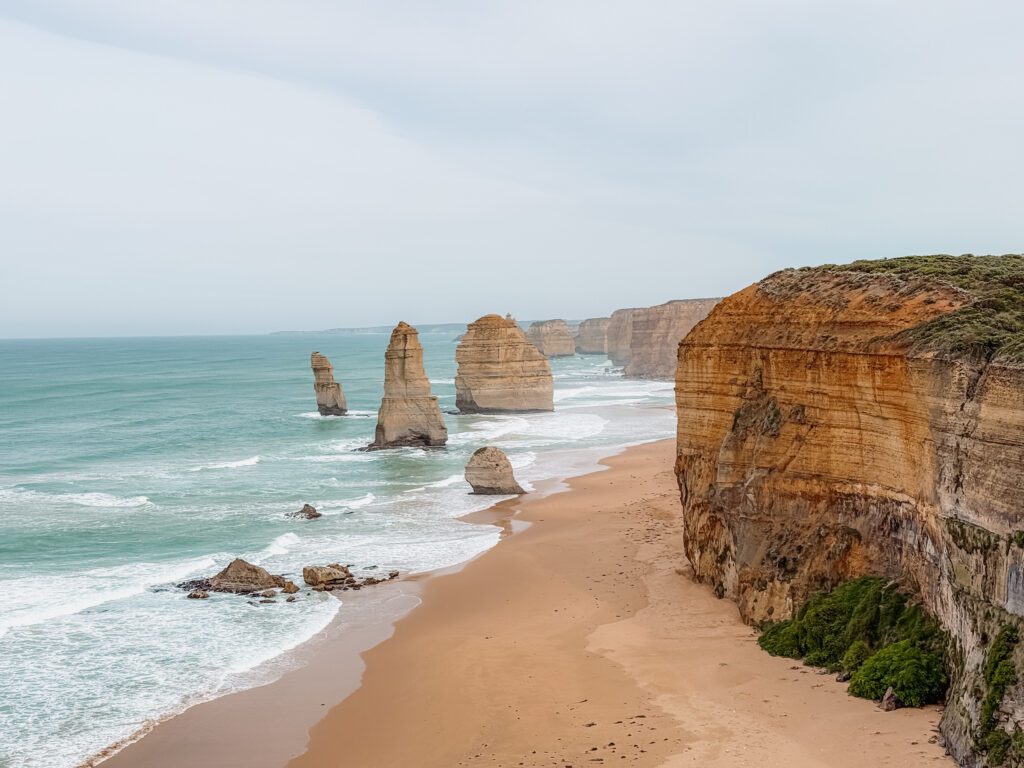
127,465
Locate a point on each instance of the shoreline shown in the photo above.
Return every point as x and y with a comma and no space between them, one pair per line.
579,639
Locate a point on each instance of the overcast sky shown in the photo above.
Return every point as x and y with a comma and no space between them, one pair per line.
242,166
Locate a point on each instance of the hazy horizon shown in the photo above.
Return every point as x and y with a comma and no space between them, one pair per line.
228,168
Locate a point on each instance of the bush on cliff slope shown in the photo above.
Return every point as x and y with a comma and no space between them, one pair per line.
868,628
992,324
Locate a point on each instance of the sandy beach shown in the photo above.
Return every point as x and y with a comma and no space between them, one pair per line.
577,641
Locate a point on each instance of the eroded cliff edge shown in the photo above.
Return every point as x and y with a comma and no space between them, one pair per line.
869,419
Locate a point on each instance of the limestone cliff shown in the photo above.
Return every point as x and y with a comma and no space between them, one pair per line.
867,419
500,371
655,334
330,399
592,336
552,338
409,414
619,335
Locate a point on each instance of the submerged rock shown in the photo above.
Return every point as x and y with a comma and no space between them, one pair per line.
500,371
308,512
490,472
198,594
330,399
409,414
240,577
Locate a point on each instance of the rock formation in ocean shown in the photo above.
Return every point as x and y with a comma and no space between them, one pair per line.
240,577
869,419
500,371
655,334
409,414
308,512
327,578
330,399
552,338
592,336
490,472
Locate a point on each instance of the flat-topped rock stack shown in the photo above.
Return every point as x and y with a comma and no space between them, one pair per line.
409,414
552,338
619,334
592,336
500,371
330,398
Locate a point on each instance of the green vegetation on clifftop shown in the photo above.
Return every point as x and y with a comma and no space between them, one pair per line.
991,325
869,629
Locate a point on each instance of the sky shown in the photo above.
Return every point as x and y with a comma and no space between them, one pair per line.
244,166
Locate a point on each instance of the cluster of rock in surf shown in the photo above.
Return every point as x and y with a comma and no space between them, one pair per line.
244,578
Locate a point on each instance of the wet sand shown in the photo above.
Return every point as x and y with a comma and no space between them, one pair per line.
579,641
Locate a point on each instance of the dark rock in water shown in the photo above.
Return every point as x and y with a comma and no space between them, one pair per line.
240,578
889,701
268,593
392,575
290,588
268,601
290,599
308,512
198,594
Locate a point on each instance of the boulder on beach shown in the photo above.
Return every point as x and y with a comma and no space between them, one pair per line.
490,472
322,575
242,578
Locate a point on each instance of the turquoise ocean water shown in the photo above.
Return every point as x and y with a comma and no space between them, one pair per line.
127,465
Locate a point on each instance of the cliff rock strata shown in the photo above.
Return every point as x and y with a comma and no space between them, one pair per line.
500,371
552,338
330,399
655,333
592,336
619,334
409,414
819,441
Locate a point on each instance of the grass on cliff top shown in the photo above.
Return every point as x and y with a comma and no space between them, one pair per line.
992,325
870,629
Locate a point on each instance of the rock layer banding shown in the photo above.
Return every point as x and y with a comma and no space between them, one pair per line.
644,340
330,399
592,336
500,371
817,444
552,338
409,414
489,472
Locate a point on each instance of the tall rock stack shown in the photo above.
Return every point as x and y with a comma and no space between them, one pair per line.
330,399
552,338
409,414
500,371
592,336
656,333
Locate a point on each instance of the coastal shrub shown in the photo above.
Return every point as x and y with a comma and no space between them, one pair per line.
991,324
917,676
999,673
856,655
867,627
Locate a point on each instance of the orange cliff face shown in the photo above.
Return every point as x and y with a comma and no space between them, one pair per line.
815,446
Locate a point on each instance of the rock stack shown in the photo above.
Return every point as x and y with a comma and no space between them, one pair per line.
490,472
500,371
330,399
656,333
619,334
409,414
552,338
592,336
